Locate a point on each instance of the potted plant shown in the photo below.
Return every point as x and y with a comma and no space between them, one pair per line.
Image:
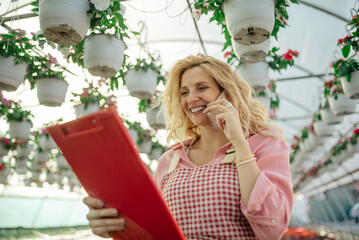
133,128
255,74
251,53
21,166
338,102
353,144
239,15
14,58
91,100
5,146
45,141
154,111
327,114
4,173
47,75
142,77
144,142
351,40
19,121
41,156
321,129
23,148
157,150
64,22
278,62
348,73
263,97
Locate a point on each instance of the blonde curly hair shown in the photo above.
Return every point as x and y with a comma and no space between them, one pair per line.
253,114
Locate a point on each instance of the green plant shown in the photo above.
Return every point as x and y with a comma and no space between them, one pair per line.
344,68
350,41
17,113
355,136
317,117
143,134
15,43
5,104
279,62
148,63
7,143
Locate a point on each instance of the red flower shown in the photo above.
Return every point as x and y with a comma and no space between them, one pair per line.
355,17
288,56
227,54
292,146
2,167
356,131
295,137
341,41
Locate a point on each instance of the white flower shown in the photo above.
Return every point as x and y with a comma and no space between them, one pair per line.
196,14
101,5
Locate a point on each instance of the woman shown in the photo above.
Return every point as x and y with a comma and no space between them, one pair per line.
231,178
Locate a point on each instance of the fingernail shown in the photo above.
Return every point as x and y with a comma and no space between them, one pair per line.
114,212
100,204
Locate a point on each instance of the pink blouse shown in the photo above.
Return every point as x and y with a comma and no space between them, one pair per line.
270,204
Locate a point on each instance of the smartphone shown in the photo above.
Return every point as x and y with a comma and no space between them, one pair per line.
212,114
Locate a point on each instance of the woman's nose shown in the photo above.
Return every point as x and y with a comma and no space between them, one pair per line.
192,97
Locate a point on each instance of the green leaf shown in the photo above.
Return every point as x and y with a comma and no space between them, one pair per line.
345,51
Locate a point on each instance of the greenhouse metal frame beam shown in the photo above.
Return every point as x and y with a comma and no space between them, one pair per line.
323,10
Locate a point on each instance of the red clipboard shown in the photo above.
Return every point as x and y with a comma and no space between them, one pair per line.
103,156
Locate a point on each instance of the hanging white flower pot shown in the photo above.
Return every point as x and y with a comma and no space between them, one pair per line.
314,140
27,182
141,84
251,53
342,106
21,166
249,22
42,156
351,89
156,118
80,109
145,147
322,130
61,162
133,134
23,151
64,21
4,173
353,148
103,55
50,178
36,166
3,150
255,74
19,130
51,91
329,118
47,143
11,75
156,153
265,101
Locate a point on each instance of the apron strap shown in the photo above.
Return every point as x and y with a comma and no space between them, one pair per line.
174,162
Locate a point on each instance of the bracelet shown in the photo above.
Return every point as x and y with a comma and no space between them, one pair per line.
244,162
244,159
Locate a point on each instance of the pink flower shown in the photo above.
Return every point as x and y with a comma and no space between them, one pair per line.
333,89
43,131
196,14
272,113
224,22
206,5
52,59
84,94
4,101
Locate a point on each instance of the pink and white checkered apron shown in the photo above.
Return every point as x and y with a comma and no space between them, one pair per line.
205,201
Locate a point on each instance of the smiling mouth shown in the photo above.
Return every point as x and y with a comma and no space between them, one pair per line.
197,109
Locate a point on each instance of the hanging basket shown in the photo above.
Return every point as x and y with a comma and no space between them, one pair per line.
3,175
255,74
329,118
322,130
80,109
61,162
3,150
41,157
50,178
19,130
141,84
251,53
51,91
156,118
47,143
103,55
133,134
36,166
21,166
342,106
23,151
266,102
145,147
351,89
249,22
353,148
64,22
11,75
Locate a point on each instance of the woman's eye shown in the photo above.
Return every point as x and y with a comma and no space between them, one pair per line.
202,88
184,93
